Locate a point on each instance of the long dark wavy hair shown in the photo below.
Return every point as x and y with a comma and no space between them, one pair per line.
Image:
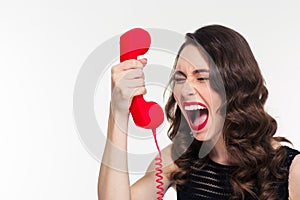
248,129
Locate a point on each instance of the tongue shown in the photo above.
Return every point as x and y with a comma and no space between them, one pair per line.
199,118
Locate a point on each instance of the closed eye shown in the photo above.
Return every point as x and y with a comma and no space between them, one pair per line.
179,77
179,80
202,79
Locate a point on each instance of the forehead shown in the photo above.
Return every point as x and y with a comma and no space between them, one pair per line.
191,58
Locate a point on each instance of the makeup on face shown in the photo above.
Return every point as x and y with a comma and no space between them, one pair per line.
193,93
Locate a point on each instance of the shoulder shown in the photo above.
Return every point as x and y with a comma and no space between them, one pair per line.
291,155
147,186
294,178
156,178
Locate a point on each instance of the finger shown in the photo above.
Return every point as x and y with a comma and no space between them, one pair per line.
130,83
134,74
131,64
127,65
125,79
138,91
143,61
135,83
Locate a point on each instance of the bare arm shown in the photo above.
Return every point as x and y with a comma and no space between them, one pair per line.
114,169
294,179
113,183
112,180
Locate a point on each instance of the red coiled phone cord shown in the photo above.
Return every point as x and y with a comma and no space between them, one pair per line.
158,174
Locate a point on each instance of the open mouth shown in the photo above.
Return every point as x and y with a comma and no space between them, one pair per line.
197,114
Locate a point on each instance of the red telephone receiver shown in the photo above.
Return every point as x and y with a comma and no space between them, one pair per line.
134,43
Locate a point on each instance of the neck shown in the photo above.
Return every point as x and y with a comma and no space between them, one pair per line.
219,153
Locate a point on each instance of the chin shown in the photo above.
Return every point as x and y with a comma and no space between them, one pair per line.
207,135
202,135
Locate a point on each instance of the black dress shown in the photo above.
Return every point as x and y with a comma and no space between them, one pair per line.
212,181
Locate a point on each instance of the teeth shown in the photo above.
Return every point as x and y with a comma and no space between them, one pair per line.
194,107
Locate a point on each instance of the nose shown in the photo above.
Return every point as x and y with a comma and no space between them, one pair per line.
188,89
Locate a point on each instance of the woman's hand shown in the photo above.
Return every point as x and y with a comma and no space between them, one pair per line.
127,81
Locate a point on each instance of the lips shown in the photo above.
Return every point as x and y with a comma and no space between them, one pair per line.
197,114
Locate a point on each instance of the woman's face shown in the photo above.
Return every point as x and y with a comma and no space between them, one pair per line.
198,102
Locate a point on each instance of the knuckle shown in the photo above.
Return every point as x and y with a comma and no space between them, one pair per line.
140,72
137,82
141,83
114,78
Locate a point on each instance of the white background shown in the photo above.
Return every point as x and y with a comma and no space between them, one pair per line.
43,45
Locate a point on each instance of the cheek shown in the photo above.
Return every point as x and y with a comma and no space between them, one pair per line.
211,97
216,99
205,92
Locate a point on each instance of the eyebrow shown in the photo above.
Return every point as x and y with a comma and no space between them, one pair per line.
197,71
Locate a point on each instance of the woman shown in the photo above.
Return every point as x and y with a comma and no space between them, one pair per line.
223,140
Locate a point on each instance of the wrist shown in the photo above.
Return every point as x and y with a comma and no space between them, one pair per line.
119,118
119,113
